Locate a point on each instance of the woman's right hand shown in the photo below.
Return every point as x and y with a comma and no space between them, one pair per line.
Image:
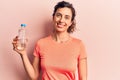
15,46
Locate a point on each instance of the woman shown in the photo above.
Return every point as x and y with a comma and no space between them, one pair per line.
59,55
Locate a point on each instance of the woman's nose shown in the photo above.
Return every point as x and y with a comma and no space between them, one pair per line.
62,19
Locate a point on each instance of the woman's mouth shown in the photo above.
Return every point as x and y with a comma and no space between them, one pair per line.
60,25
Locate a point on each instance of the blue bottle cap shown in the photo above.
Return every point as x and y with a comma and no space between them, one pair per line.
23,25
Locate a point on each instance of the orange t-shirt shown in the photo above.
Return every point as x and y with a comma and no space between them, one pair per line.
59,61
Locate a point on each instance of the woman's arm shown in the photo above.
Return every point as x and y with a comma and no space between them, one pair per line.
82,63
82,69
31,69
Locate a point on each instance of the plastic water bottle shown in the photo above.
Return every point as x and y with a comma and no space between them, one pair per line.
22,37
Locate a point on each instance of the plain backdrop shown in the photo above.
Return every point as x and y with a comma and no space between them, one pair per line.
98,25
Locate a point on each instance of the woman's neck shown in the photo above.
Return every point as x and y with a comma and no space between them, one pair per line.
61,37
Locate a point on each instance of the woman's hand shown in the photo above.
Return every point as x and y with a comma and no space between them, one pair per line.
15,46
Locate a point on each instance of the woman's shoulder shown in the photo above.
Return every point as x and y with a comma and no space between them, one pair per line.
43,39
77,40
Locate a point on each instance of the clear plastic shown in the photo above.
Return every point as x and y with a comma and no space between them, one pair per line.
21,44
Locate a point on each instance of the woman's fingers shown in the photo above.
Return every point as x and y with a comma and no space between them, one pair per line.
15,46
15,42
16,38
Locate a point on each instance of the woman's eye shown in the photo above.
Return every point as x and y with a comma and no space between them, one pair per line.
58,15
67,17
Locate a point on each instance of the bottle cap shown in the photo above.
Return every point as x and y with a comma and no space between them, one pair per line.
23,25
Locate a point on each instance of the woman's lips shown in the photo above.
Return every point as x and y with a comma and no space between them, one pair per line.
60,25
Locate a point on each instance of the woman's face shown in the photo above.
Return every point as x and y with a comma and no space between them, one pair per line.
62,19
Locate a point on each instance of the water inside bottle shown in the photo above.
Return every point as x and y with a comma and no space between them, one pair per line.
21,45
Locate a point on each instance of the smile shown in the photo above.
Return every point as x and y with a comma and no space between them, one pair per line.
60,25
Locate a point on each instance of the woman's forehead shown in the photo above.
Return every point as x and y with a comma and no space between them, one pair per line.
64,11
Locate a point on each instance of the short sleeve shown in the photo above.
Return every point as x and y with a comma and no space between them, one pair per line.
83,54
36,52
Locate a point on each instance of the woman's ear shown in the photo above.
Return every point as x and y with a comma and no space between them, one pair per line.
71,23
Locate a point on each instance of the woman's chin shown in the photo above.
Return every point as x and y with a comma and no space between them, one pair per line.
60,30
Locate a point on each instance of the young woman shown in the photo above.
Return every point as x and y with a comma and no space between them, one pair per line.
59,56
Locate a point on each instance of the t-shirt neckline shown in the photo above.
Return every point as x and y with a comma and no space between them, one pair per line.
66,42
